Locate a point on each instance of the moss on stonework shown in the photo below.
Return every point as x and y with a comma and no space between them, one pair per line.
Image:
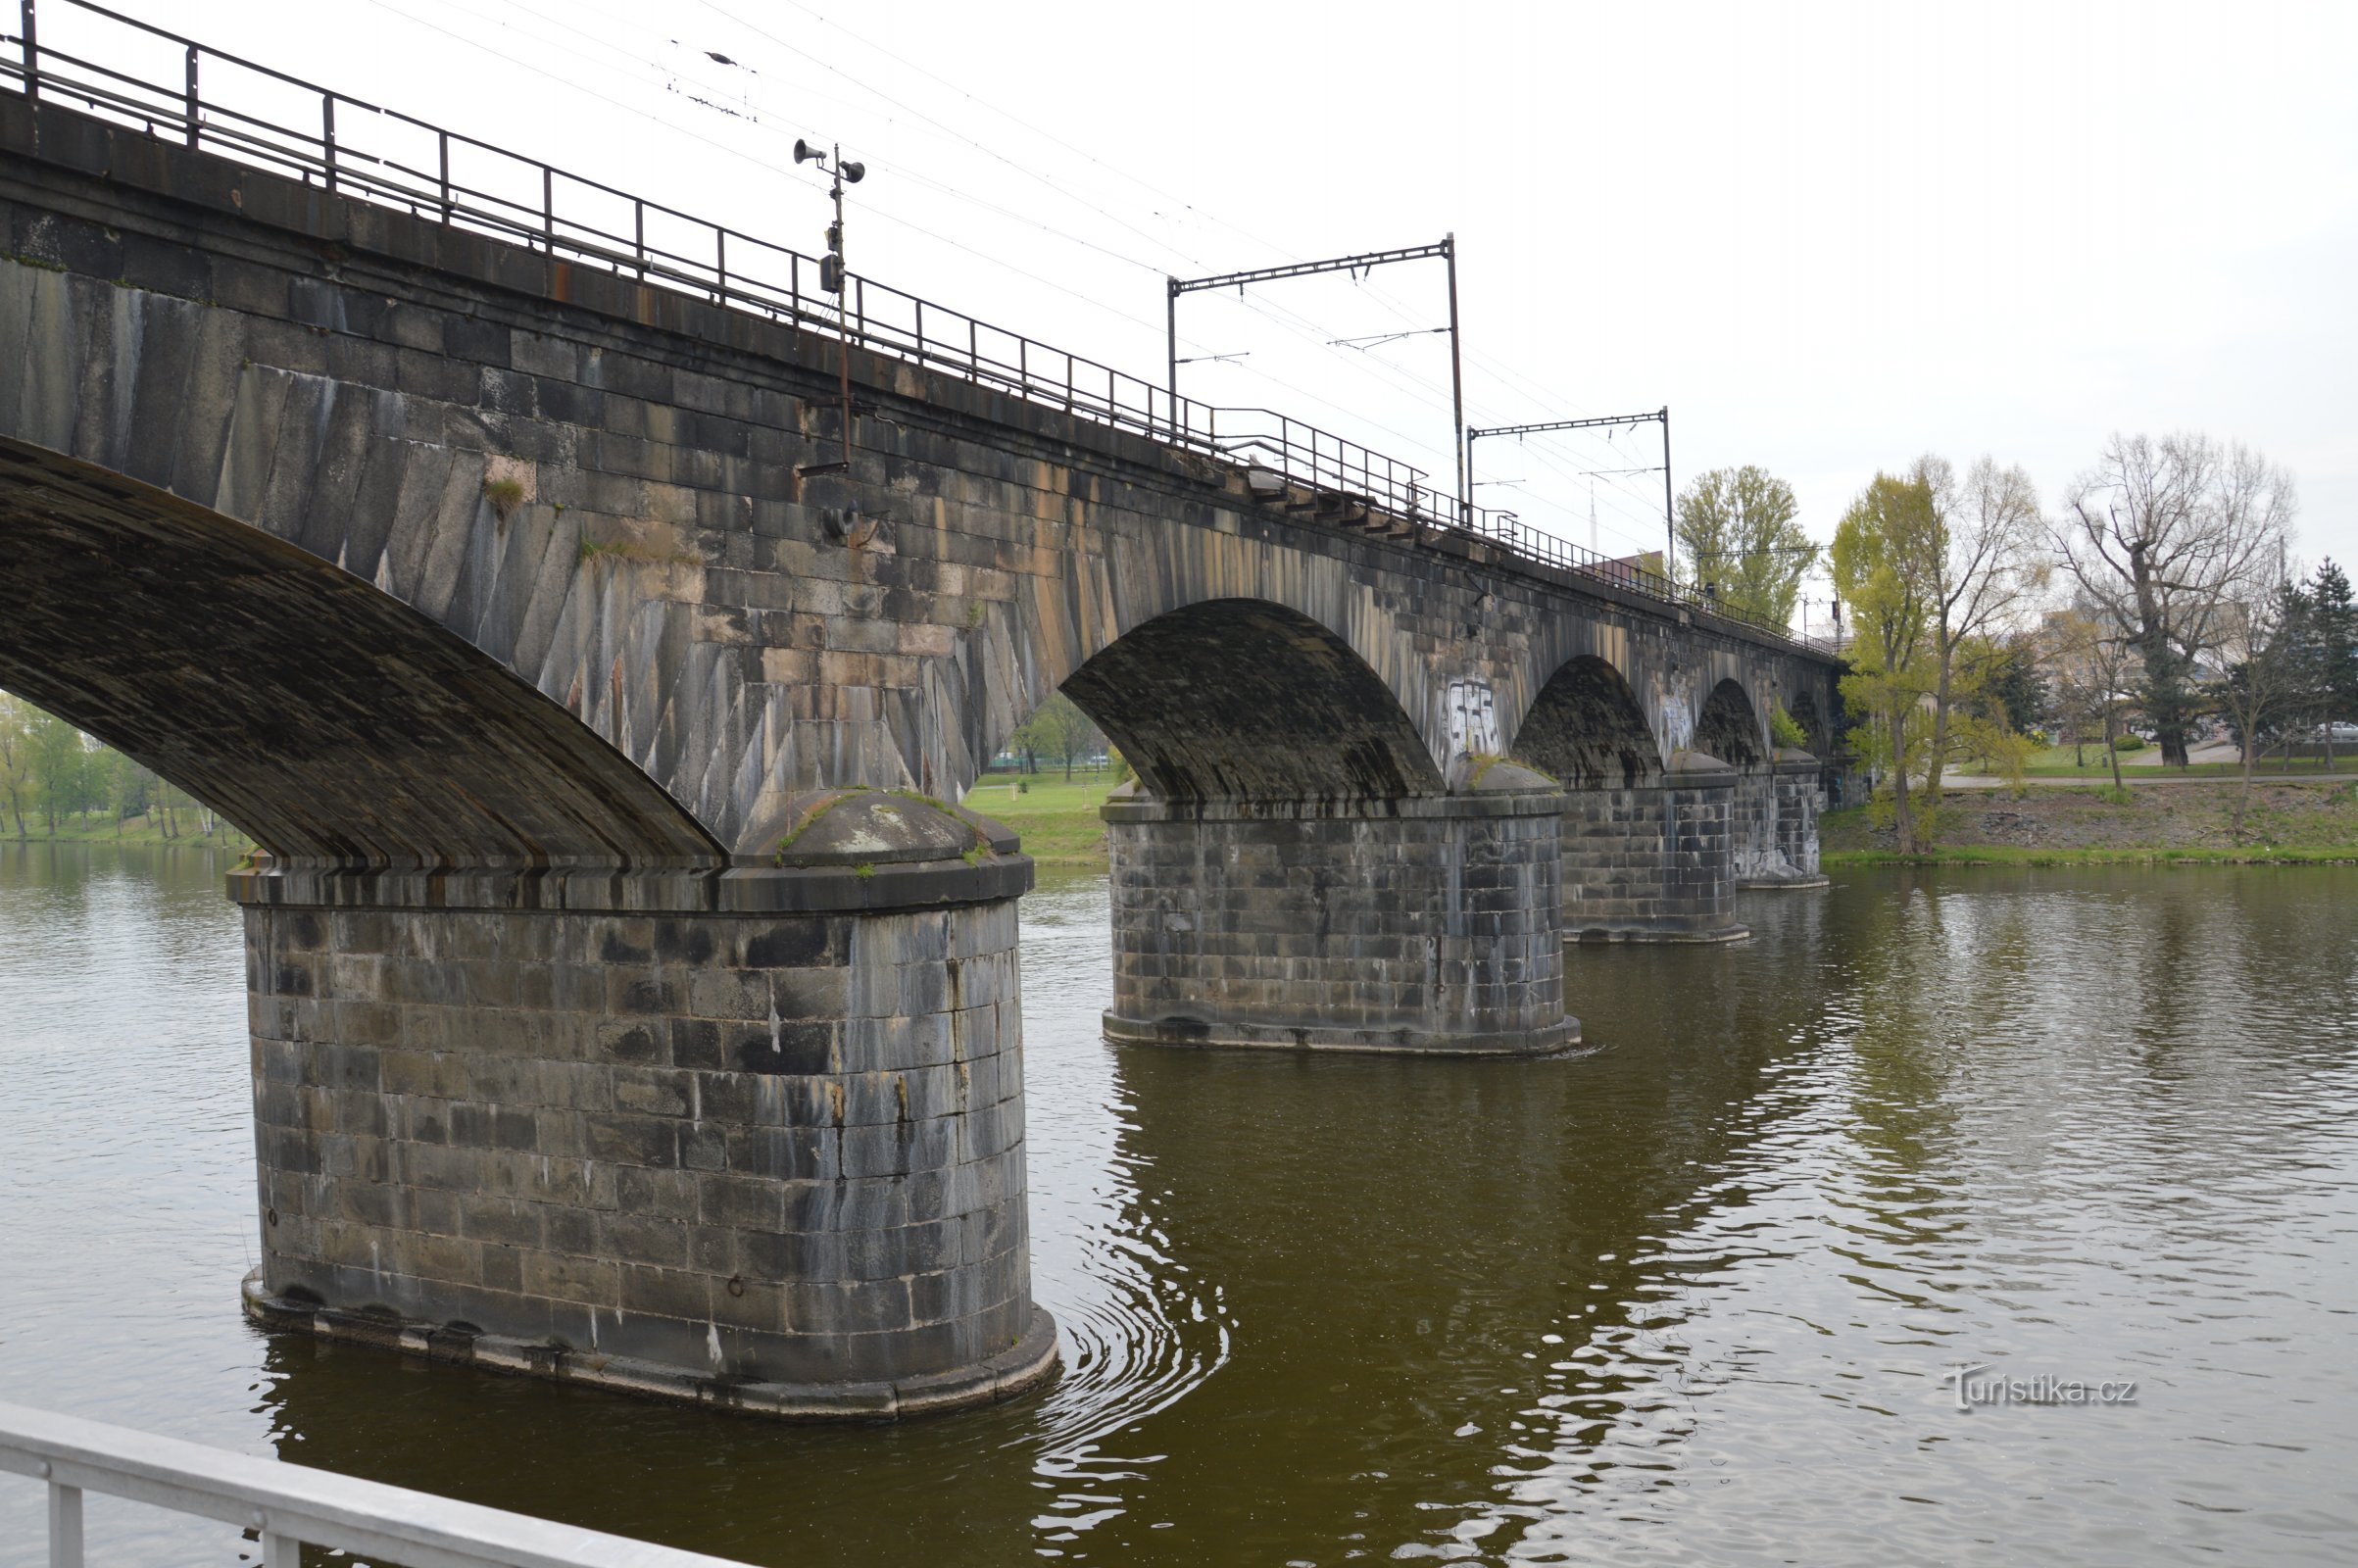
809,816
982,840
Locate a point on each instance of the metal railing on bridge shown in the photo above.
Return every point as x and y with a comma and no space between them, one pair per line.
225,104
290,1505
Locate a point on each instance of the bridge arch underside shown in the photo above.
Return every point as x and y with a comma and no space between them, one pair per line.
1291,869
1730,728
492,967
324,717
1645,848
1244,700
1773,807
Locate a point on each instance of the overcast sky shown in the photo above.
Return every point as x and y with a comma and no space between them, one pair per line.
1828,237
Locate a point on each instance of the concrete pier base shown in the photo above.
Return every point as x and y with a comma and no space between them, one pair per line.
1429,925
750,1137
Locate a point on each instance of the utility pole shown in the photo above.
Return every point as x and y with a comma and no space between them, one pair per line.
1670,520
831,275
1457,447
1660,415
1445,249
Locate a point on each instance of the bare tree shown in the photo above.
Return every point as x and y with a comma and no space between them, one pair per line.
2087,659
2160,535
2264,683
1982,567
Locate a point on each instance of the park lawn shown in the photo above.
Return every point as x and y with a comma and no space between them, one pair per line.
2132,768
1059,821
2289,820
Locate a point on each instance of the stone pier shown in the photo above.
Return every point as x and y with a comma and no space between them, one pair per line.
1650,861
752,1138
1776,822
1424,924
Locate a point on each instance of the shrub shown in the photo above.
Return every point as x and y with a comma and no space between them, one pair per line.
505,496
2129,743
1787,730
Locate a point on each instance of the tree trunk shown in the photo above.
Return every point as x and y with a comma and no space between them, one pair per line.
2242,799
2112,751
1939,755
1904,823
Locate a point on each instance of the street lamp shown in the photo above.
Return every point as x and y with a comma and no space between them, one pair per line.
830,266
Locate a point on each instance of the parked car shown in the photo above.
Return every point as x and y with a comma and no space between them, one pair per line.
2340,734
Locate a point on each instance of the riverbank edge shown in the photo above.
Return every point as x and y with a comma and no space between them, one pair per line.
1977,854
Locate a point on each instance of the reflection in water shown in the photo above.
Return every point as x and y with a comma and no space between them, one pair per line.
1691,1295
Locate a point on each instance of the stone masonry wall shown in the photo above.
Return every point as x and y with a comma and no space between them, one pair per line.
1433,931
783,1149
1752,823
1615,871
1800,801
596,485
1699,871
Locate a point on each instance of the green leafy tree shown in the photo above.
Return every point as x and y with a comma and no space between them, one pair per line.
2322,630
1979,563
1739,543
60,767
1058,729
16,756
2008,684
130,787
1881,548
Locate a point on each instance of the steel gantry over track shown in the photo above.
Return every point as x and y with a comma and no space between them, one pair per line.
1661,415
1445,249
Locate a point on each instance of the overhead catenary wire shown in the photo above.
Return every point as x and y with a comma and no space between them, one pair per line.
1288,320
649,74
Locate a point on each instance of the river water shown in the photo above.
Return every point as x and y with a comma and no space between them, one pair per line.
1693,1296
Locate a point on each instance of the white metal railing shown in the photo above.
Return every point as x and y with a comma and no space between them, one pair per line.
290,1504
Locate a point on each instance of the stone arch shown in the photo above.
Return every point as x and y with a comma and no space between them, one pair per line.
322,715
1728,727
1588,729
1244,700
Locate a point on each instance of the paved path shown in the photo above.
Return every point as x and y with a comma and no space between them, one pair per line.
2129,775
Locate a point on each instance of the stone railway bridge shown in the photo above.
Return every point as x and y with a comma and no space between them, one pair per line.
627,1003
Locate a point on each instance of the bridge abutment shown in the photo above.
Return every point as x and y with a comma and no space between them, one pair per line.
752,1138
1426,925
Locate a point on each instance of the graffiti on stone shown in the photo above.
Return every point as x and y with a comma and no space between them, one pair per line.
1473,719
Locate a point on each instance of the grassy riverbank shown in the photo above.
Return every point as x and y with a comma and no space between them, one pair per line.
2158,824
2288,823
1059,821
76,829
